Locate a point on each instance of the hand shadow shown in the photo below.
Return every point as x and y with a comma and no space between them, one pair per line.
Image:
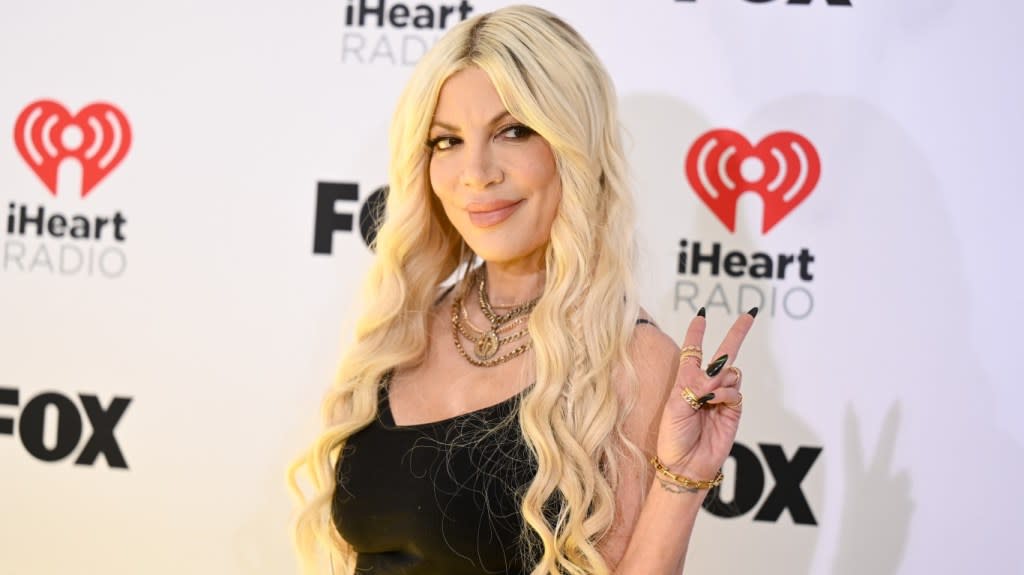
876,505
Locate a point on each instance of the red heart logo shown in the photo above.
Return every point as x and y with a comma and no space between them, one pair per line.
783,169
98,137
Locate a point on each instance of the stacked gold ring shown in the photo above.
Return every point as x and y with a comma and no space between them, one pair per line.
738,372
691,351
691,398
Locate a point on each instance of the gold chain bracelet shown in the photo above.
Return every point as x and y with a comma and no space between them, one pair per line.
686,481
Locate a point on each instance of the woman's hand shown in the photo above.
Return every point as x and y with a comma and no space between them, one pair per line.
694,443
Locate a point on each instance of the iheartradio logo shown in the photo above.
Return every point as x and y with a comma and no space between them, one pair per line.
783,168
98,136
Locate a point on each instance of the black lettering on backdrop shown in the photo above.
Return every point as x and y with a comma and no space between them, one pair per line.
57,411
7,397
760,273
328,220
103,422
694,258
424,16
750,481
33,420
787,492
22,221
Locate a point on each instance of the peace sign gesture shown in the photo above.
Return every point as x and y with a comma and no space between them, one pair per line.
702,413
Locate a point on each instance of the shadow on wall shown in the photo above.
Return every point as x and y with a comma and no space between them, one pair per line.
901,354
881,361
874,492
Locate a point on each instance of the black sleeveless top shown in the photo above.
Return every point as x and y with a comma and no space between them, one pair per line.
439,498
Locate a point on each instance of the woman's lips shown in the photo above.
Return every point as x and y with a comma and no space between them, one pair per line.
484,216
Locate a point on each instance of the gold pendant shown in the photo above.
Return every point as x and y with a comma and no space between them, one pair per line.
487,345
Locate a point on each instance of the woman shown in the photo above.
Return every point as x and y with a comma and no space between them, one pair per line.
507,407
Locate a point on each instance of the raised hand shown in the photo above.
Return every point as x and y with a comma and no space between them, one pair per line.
703,411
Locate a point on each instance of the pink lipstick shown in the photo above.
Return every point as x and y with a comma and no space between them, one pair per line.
485,215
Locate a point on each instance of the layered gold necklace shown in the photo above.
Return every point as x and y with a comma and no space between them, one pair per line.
487,342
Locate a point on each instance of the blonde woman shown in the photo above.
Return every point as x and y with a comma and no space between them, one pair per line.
506,406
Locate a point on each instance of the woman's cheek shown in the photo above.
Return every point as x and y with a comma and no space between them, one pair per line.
441,179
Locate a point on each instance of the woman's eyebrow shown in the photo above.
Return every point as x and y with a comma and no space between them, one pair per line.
439,124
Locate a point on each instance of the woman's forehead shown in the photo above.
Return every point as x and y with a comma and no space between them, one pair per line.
468,97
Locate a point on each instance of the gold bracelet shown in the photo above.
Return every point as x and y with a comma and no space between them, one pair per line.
686,481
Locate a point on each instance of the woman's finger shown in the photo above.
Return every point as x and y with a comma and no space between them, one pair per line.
731,344
731,376
730,380
726,397
690,356
695,332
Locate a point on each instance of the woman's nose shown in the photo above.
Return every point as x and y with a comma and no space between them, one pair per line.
480,168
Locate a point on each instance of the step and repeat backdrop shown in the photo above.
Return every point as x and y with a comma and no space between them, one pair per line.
183,232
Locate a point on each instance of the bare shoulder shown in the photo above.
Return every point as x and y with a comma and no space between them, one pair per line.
653,352
655,358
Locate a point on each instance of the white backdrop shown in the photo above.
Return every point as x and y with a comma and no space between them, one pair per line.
193,334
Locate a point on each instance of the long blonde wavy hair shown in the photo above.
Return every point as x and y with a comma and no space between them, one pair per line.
572,417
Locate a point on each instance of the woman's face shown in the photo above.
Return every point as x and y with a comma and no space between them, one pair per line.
495,177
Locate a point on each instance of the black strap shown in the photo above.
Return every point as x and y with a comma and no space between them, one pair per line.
445,294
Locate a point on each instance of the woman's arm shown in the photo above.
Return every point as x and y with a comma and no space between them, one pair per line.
654,525
661,535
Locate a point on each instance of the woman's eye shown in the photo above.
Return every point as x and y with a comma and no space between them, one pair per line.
517,132
441,143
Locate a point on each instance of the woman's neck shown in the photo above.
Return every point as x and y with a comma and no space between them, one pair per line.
509,284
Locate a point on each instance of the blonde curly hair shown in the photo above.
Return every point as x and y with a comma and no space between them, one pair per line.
549,78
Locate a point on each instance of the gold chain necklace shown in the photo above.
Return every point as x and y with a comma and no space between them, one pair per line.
495,319
487,343
488,347
477,332
480,337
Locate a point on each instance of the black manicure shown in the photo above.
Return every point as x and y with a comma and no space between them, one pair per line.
700,312
717,365
705,398
753,312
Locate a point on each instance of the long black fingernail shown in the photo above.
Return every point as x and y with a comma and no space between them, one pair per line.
700,312
717,365
753,312
705,398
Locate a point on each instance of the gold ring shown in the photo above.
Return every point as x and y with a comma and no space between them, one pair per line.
691,398
739,374
694,359
691,351
738,403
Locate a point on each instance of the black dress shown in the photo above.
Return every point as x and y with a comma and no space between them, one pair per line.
439,498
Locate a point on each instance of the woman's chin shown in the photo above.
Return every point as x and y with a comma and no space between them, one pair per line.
504,256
